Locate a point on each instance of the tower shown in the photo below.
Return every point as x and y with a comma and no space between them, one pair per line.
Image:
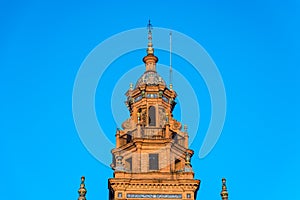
152,159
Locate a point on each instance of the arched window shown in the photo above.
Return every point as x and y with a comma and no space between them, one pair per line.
152,117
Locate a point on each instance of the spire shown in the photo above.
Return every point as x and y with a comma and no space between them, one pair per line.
82,191
150,49
150,59
224,193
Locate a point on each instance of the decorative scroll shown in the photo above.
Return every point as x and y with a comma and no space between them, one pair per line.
177,125
162,116
127,124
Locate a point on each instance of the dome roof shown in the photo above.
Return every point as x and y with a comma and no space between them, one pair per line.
150,78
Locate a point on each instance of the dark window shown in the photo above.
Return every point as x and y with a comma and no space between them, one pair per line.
177,165
152,118
175,137
119,195
114,160
128,164
188,195
128,138
153,161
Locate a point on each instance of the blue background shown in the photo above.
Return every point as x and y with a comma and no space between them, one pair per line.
255,45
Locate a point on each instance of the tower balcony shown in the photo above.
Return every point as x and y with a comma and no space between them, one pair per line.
150,133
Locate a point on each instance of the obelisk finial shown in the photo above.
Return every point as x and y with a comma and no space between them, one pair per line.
82,191
224,193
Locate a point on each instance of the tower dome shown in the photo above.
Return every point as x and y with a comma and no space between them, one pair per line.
150,78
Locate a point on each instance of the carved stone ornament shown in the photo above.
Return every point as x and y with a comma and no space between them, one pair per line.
177,125
144,117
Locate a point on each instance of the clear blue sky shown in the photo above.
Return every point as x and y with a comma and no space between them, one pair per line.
255,45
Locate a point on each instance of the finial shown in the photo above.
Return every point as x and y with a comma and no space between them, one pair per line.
150,27
150,59
187,158
167,118
131,86
188,167
139,117
150,46
224,193
185,127
82,191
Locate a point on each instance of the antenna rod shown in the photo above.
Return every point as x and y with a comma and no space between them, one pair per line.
171,85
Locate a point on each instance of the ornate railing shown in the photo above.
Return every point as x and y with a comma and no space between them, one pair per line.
152,133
